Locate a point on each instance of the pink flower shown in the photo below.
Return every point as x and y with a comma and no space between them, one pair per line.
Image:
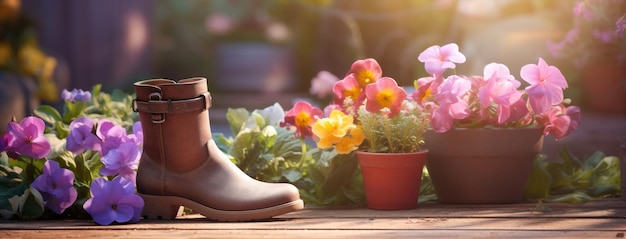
26,138
437,59
302,116
322,84
558,122
385,93
365,71
348,89
546,85
451,103
501,89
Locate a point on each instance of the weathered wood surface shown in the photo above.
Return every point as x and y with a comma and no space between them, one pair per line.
600,219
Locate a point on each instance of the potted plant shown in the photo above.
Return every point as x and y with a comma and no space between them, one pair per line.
373,118
596,45
486,131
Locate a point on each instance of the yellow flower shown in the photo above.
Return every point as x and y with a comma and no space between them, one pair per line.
333,129
351,141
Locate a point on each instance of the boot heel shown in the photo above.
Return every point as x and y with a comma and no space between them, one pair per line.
160,207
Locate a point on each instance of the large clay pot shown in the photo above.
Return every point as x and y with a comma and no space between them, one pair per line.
392,180
622,166
476,166
604,87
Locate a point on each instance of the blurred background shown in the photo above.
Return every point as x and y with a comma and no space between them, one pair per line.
257,52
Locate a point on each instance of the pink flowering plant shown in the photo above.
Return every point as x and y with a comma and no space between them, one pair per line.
597,33
78,164
495,99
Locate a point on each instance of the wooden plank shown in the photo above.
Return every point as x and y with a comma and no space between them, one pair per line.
605,218
277,234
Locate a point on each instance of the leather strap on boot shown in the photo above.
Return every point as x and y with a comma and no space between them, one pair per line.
157,107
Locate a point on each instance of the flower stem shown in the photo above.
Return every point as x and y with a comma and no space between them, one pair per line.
303,158
387,134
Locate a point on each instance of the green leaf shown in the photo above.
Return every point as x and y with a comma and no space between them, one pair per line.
48,114
29,205
575,197
236,118
342,171
538,186
292,175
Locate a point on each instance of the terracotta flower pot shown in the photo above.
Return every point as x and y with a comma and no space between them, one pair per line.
622,166
605,87
475,166
392,180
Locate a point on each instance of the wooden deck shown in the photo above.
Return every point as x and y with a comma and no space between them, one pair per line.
599,219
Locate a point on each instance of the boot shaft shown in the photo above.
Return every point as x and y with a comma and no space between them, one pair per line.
175,121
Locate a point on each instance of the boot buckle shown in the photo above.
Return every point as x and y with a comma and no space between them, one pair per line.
156,118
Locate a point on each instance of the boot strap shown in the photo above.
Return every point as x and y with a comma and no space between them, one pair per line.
199,103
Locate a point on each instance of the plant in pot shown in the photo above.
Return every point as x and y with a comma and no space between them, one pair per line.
373,116
596,45
486,131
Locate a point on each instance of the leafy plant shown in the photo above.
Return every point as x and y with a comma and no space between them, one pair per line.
573,180
49,173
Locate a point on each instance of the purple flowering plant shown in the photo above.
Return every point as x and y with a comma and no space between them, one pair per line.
597,33
78,164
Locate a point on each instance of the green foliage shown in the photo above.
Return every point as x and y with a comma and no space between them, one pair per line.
271,153
402,133
572,180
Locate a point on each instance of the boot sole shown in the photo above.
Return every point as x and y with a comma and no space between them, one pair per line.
169,207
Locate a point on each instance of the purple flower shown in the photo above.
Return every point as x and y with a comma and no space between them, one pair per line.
122,160
112,136
113,201
76,95
137,135
56,186
26,138
81,136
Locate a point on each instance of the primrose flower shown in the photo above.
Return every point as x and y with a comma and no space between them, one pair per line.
350,141
384,93
437,59
348,90
113,201
82,137
56,186
330,130
365,71
302,116
26,138
546,85
424,89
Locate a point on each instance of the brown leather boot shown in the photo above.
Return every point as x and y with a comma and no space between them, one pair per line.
182,166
